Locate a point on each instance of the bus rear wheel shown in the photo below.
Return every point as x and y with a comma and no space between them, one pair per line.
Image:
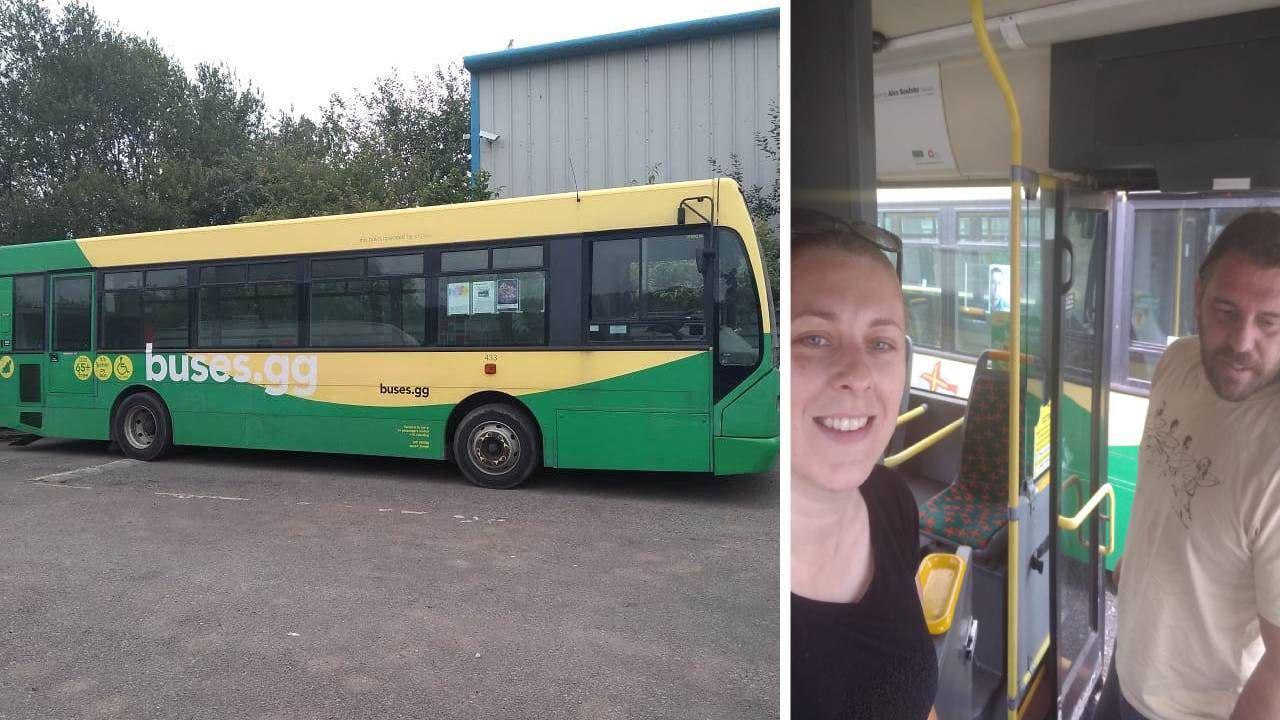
141,427
496,446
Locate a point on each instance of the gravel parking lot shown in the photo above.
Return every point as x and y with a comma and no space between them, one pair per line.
236,584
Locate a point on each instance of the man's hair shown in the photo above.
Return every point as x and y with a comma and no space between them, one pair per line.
1255,235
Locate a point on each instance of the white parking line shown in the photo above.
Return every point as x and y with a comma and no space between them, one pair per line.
62,477
186,496
61,485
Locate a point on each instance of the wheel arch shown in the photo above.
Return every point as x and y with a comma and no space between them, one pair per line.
127,393
488,397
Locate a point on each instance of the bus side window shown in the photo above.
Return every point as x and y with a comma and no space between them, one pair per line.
739,332
492,297
647,290
28,313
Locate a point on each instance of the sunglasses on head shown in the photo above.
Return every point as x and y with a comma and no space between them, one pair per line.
805,221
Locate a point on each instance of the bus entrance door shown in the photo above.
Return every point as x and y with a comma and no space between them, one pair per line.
69,373
1080,495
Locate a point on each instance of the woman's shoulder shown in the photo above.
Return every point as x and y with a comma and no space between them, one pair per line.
890,501
887,489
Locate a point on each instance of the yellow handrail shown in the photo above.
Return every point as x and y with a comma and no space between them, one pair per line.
912,414
1015,338
923,444
1108,493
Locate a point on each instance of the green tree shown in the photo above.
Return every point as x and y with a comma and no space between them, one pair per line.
396,146
764,203
101,132
104,133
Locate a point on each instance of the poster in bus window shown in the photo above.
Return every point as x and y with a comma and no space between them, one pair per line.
998,297
459,298
482,297
509,295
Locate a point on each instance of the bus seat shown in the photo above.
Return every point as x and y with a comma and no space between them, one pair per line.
974,509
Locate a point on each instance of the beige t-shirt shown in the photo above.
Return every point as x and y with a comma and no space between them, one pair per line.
1202,557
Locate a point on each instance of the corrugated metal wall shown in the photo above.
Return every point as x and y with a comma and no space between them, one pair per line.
619,115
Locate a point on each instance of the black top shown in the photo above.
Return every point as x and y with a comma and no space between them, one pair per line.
874,658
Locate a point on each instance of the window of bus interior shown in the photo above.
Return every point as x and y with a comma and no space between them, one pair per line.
1161,295
921,272
375,301
740,333
251,305
647,289
1082,303
28,313
983,281
141,307
1167,246
492,297
72,318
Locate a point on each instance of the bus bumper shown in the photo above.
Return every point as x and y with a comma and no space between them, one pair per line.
739,456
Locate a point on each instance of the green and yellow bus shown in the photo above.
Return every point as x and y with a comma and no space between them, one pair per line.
623,329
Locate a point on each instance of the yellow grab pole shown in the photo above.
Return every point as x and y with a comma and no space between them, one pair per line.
1015,340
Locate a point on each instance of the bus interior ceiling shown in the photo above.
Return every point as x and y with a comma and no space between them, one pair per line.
1151,125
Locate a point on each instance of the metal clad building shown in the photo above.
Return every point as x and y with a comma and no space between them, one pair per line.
618,108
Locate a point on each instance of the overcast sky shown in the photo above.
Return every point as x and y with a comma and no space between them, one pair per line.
298,53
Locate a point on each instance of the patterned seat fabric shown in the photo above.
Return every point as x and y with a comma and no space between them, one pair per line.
974,509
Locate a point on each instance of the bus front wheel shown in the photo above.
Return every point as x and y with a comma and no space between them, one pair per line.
496,446
141,427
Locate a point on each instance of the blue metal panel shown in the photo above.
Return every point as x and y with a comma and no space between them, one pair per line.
725,24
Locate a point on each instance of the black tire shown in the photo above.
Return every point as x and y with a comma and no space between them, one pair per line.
141,427
496,446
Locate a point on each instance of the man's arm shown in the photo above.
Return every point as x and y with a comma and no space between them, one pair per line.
1260,698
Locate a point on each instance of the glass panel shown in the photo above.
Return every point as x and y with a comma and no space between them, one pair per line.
921,273
361,313
982,227
122,280
740,334
396,265
669,309
133,318
982,288
464,260
518,257
672,282
174,277
273,271
251,316
344,267
71,318
615,279
493,309
1082,302
911,225
28,313
223,274
122,319
1076,435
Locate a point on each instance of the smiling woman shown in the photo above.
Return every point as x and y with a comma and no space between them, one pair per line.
859,643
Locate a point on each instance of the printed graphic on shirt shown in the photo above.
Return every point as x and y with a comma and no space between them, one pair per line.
1172,451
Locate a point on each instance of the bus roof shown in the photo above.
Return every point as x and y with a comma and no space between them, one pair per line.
569,213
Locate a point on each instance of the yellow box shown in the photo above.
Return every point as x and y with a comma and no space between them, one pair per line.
939,579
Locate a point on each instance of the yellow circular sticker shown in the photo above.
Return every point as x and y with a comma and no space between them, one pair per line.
123,367
83,367
102,368
6,367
